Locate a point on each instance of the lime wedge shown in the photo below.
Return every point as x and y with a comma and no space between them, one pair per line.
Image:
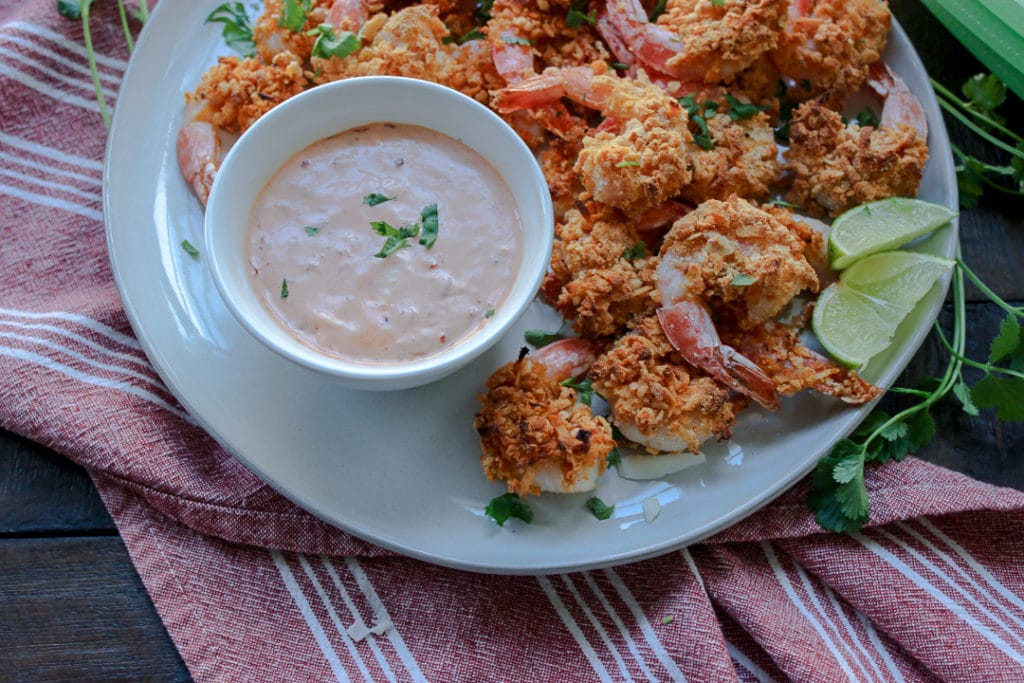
880,226
857,317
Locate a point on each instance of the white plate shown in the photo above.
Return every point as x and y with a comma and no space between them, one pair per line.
402,469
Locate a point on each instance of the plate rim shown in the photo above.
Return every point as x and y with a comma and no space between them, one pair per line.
643,551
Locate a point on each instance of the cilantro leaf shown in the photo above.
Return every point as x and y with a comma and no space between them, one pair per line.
985,92
429,217
703,137
70,9
969,184
614,457
189,249
866,117
328,44
1007,341
312,230
375,198
508,505
236,27
583,386
963,393
293,14
599,508
541,338
284,288
1005,394
739,110
638,250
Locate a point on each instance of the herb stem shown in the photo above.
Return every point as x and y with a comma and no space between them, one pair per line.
87,34
143,11
124,25
981,132
996,299
950,97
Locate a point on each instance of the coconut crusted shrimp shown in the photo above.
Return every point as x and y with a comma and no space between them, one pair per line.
828,46
632,161
743,264
778,351
698,41
836,166
230,97
656,399
412,43
534,433
597,279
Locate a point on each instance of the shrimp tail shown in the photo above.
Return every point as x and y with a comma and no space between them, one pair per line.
567,358
199,154
690,330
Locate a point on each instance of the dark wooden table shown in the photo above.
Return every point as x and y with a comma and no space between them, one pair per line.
72,606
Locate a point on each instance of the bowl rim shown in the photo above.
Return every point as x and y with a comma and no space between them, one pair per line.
536,241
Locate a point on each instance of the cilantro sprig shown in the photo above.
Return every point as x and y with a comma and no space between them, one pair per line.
838,492
236,27
984,94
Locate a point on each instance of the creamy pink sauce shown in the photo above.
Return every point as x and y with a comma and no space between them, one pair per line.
310,229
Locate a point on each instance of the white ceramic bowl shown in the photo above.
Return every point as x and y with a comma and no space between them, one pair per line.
329,109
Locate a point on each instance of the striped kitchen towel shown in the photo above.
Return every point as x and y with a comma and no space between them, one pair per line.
252,588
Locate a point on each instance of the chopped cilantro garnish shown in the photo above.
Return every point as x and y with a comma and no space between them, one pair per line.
482,12
743,280
508,505
783,203
577,15
599,508
659,8
429,217
627,164
665,621
189,249
284,288
328,44
718,3
866,117
689,103
583,386
618,66
739,111
375,198
397,238
703,137
516,40
236,29
473,34
638,250
614,457
539,338
293,14
489,313
312,230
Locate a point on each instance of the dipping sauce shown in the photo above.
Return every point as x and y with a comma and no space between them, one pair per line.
314,237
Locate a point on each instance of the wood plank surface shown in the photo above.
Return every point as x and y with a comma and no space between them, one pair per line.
73,607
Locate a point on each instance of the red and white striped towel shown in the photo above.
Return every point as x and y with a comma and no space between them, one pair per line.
250,587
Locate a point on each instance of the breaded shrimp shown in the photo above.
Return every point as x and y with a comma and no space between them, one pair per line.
777,349
235,92
740,263
698,40
827,46
656,399
596,281
836,166
743,159
534,433
632,161
272,36
412,43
